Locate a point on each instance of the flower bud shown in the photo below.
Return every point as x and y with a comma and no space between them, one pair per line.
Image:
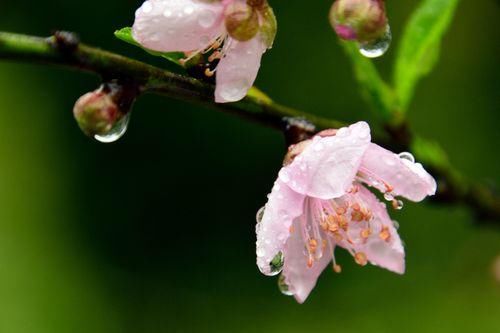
242,21
104,113
96,113
360,20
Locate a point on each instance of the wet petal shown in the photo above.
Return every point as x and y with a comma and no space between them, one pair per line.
274,229
238,70
178,25
384,247
328,166
299,278
408,179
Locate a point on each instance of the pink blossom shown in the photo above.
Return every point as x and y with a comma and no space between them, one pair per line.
236,33
320,201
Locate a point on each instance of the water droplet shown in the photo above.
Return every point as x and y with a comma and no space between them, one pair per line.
389,160
188,10
318,146
116,132
285,290
147,7
234,91
377,47
397,204
206,18
396,224
277,263
388,196
154,37
407,156
284,176
260,214
343,132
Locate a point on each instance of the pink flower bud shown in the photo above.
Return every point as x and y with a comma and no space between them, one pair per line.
104,113
359,20
96,113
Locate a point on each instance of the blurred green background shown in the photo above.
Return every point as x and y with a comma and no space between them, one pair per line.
155,233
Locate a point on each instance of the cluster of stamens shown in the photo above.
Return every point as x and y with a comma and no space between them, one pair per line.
211,55
339,222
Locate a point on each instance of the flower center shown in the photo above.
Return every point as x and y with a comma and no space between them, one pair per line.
348,222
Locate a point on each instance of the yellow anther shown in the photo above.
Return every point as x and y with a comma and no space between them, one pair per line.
360,258
214,56
337,268
209,73
385,234
340,210
313,245
310,262
365,233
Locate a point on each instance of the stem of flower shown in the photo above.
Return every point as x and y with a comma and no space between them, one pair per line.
65,50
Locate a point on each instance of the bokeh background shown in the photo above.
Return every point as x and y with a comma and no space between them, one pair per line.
155,233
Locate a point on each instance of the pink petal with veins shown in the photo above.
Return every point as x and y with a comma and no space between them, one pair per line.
178,25
327,167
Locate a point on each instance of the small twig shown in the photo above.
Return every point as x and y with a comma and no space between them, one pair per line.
64,50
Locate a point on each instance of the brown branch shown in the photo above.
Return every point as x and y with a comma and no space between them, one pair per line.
64,50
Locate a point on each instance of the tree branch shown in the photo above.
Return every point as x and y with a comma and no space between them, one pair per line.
62,50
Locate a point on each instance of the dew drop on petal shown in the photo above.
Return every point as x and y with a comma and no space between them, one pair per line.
188,10
388,196
116,132
396,224
377,47
234,91
277,263
284,176
285,290
206,18
147,7
260,214
407,156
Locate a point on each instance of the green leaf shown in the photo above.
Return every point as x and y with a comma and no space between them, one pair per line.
419,49
375,89
125,35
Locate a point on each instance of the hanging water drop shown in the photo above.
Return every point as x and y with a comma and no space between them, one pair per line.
260,214
377,47
283,286
388,196
397,204
116,132
277,263
407,156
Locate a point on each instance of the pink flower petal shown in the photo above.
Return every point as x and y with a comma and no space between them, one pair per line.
388,253
238,70
328,166
408,179
299,278
178,25
283,206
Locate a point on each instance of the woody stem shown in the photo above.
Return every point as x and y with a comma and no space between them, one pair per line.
257,107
